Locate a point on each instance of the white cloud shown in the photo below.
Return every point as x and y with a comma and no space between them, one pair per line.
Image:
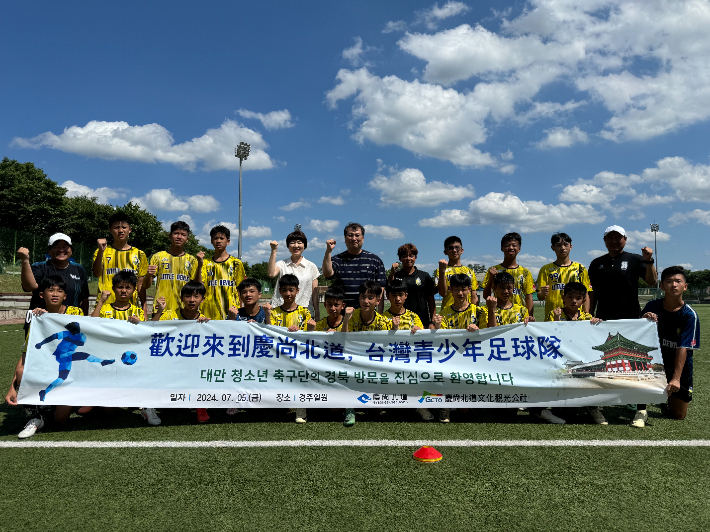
273,120
163,199
596,253
533,262
385,231
408,188
280,218
295,205
559,137
602,189
204,236
645,237
395,25
685,265
324,226
355,52
435,13
102,194
690,182
698,215
258,231
335,200
510,211
183,218
153,143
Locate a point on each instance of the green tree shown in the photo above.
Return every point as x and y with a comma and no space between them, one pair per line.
193,247
86,220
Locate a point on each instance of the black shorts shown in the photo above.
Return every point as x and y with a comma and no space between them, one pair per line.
686,378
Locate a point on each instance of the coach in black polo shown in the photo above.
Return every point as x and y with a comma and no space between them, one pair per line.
354,266
614,278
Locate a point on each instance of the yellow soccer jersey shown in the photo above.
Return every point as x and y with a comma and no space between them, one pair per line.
407,320
169,315
132,260
322,325
221,280
172,274
108,311
583,316
556,277
461,319
515,314
298,317
452,270
523,282
379,323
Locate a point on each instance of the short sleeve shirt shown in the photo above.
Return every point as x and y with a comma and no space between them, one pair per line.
420,287
350,271
556,277
461,319
523,282
407,319
73,275
260,316
615,282
514,314
116,260
306,272
174,271
286,318
581,316
453,270
323,325
378,323
111,312
675,329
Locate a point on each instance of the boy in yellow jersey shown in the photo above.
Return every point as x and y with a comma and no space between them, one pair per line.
252,311
524,287
53,291
454,249
290,314
221,276
334,301
366,318
552,277
119,256
172,269
397,295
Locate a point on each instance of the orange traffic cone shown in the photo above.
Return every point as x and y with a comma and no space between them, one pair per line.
427,454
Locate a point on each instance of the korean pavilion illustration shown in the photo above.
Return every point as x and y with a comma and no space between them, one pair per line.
621,356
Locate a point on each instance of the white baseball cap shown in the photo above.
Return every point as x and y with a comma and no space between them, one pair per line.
56,237
615,228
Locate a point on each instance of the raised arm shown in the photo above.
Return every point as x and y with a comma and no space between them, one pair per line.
98,267
651,273
271,269
27,278
328,271
443,264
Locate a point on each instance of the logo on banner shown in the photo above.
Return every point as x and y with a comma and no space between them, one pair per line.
431,397
364,398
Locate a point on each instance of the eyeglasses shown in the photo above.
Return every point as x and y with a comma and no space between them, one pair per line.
454,248
354,235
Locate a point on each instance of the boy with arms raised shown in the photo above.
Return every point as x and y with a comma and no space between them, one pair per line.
334,304
366,318
553,277
119,256
172,269
52,291
221,275
290,314
249,295
523,286
420,285
454,249
679,335
397,295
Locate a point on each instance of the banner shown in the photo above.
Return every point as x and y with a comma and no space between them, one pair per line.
221,364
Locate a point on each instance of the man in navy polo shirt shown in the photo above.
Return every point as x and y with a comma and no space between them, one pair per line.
354,266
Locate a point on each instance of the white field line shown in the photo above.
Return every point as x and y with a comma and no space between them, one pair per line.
344,443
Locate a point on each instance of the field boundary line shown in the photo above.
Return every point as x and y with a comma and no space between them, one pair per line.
243,444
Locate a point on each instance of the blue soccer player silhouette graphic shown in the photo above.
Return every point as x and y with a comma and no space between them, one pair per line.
65,353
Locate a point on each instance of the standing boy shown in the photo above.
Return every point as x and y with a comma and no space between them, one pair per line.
221,275
397,295
119,256
453,248
679,335
290,314
523,286
172,268
420,285
553,277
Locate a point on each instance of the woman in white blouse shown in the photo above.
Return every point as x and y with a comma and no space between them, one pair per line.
305,270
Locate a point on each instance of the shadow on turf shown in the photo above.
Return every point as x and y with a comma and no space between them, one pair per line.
13,419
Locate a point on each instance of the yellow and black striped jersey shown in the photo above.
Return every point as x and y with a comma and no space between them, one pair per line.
114,261
556,277
378,323
407,320
452,270
582,316
285,318
461,319
172,274
169,315
323,325
110,312
515,314
523,282
221,280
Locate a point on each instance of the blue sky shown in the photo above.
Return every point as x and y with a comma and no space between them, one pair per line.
417,119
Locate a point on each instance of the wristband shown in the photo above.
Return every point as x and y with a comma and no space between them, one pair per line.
648,261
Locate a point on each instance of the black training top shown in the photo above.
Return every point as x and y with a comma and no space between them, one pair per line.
420,287
615,285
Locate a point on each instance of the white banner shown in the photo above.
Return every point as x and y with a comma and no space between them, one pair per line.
184,364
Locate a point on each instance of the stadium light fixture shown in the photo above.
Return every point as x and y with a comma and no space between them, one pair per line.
654,229
241,152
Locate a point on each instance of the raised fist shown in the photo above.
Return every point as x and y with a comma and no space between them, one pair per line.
102,244
544,290
135,320
330,244
233,312
492,302
152,269
159,305
274,244
395,265
23,254
472,327
311,326
557,313
647,253
200,257
267,308
492,271
443,264
436,321
105,294
349,312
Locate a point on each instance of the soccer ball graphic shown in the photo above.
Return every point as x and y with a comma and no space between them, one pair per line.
129,358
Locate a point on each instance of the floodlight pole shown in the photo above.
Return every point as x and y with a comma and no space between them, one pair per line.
241,152
654,229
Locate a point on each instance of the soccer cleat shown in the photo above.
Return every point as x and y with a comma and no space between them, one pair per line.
640,419
150,416
597,416
301,415
33,425
444,415
426,415
548,416
349,417
202,415
42,395
232,411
